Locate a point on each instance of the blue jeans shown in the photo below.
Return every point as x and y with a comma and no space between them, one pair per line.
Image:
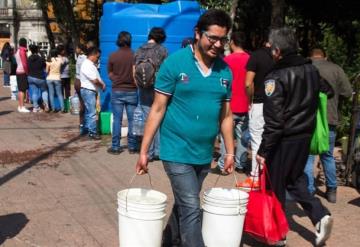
119,101
6,79
186,181
154,149
38,90
241,124
89,98
328,163
55,87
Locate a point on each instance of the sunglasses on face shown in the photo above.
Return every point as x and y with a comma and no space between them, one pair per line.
213,39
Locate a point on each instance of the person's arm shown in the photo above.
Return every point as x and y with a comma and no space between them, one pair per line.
110,68
249,84
153,121
226,127
99,83
345,88
273,112
24,62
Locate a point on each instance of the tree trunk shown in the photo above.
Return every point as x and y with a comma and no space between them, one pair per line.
278,13
44,9
16,23
65,15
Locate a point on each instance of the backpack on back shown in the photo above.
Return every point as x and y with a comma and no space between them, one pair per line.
145,71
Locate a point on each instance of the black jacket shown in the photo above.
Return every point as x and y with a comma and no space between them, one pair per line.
290,104
37,66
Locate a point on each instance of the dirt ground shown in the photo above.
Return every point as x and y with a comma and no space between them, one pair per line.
59,189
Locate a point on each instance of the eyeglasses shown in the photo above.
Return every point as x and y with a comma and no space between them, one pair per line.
213,39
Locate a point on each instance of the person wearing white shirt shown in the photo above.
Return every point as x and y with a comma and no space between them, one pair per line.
90,81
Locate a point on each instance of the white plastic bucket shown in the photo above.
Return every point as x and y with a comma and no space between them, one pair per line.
13,87
223,216
141,217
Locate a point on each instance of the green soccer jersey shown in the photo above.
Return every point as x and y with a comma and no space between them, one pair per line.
191,121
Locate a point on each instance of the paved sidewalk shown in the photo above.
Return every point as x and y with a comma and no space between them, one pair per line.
58,189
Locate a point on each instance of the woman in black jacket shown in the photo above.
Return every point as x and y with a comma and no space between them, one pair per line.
37,80
5,55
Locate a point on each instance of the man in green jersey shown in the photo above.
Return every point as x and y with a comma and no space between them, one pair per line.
192,94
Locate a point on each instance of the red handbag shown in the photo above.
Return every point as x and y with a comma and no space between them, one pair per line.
265,219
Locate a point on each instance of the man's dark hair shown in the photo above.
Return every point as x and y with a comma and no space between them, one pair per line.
283,39
60,48
52,54
34,49
93,51
82,47
239,39
23,42
124,39
158,34
213,17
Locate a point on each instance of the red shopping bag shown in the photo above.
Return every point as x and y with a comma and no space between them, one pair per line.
265,219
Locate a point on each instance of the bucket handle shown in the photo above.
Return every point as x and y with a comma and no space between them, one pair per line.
241,211
130,183
218,178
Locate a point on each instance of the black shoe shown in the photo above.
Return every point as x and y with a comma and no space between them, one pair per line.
133,151
240,170
114,151
330,195
94,137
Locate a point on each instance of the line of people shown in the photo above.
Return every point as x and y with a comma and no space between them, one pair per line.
44,82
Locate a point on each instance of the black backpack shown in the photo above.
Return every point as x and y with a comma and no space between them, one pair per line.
145,71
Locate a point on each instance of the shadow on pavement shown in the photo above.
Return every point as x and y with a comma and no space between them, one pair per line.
4,98
5,112
11,225
355,202
294,209
35,161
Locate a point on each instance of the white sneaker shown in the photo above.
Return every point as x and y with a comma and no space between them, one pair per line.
37,110
323,229
22,109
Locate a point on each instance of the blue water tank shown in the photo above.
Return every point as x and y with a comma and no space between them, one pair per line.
178,18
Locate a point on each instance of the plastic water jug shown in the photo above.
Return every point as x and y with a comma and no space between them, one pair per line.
75,104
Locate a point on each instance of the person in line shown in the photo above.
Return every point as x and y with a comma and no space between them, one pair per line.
157,53
5,55
90,82
239,103
290,105
64,74
53,80
22,71
37,80
80,51
259,65
123,95
191,104
339,82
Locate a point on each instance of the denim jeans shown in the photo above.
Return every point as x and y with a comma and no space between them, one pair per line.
38,90
6,79
154,149
89,98
186,181
328,163
241,124
55,87
119,101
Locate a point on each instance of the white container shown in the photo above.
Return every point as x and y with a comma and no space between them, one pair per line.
223,216
141,217
75,105
13,87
